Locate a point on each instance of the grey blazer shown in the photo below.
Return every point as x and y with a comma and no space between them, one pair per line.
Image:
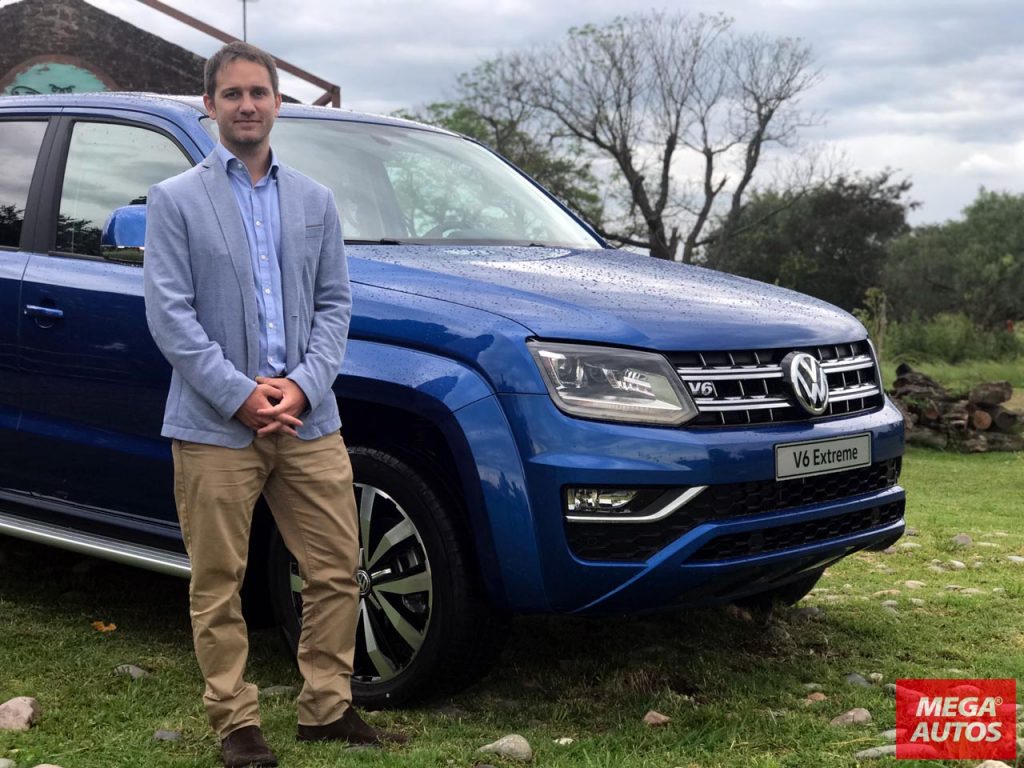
201,301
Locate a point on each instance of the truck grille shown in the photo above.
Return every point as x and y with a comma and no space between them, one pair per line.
634,542
798,534
747,387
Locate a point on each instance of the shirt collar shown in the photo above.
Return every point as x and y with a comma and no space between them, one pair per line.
225,156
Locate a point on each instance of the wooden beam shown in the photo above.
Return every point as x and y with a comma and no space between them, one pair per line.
332,92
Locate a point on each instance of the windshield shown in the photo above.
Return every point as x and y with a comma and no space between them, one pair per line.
404,185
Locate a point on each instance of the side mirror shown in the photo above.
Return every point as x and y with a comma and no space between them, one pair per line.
124,235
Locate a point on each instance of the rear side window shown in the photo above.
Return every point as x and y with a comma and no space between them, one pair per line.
109,166
19,147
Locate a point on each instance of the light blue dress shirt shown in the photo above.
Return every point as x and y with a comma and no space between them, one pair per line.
261,217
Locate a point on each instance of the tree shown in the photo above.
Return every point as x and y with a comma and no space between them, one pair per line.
649,92
974,266
509,128
830,242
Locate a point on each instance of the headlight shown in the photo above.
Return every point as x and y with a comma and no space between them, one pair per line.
612,384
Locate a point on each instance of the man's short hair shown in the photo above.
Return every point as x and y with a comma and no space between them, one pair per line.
231,52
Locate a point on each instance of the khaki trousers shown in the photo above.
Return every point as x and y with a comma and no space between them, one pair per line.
308,486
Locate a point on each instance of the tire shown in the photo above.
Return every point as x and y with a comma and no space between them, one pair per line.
788,594
428,630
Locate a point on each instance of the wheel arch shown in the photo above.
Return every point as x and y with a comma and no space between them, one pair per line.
413,405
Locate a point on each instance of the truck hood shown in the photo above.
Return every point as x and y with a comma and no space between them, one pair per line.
608,296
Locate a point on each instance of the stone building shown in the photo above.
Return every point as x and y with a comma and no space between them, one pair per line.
51,46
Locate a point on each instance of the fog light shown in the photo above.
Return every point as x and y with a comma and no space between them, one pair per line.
625,505
588,501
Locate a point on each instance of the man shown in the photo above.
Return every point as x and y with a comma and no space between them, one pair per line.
247,296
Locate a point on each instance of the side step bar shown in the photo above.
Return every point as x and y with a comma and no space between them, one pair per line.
103,547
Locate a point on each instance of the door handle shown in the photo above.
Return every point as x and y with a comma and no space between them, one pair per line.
34,310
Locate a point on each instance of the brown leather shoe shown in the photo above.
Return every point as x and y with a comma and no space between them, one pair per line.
352,728
245,747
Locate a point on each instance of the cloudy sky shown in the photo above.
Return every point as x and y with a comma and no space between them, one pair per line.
932,88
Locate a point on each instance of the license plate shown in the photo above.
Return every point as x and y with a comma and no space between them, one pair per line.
820,457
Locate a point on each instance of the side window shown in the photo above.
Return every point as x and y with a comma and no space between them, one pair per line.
19,146
109,166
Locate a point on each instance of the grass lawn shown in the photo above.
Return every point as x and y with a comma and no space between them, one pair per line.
733,687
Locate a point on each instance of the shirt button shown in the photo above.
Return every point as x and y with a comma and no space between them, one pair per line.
270,325
259,223
266,291
263,257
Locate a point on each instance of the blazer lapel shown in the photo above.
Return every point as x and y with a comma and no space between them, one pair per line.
225,207
293,253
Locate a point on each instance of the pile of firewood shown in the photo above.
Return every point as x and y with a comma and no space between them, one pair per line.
975,421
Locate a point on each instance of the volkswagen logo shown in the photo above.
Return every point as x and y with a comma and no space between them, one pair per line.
808,381
363,580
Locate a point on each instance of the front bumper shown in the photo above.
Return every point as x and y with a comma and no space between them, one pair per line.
764,539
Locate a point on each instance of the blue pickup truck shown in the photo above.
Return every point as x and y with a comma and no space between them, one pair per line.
539,423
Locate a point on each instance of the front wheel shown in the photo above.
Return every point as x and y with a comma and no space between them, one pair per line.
424,624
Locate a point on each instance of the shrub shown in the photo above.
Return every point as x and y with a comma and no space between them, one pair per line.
950,338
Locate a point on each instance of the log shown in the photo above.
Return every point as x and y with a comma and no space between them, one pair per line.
981,420
999,442
927,437
1003,420
991,393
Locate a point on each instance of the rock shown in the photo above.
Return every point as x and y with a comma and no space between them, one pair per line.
4,762
876,677
513,746
19,714
890,603
1017,559
909,545
989,544
814,698
777,634
992,764
656,719
956,565
856,679
889,735
889,750
972,591
807,613
962,540
916,601
275,691
813,687
857,716
890,688
167,736
953,587
130,670
911,532
936,569
564,741
741,614
915,584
